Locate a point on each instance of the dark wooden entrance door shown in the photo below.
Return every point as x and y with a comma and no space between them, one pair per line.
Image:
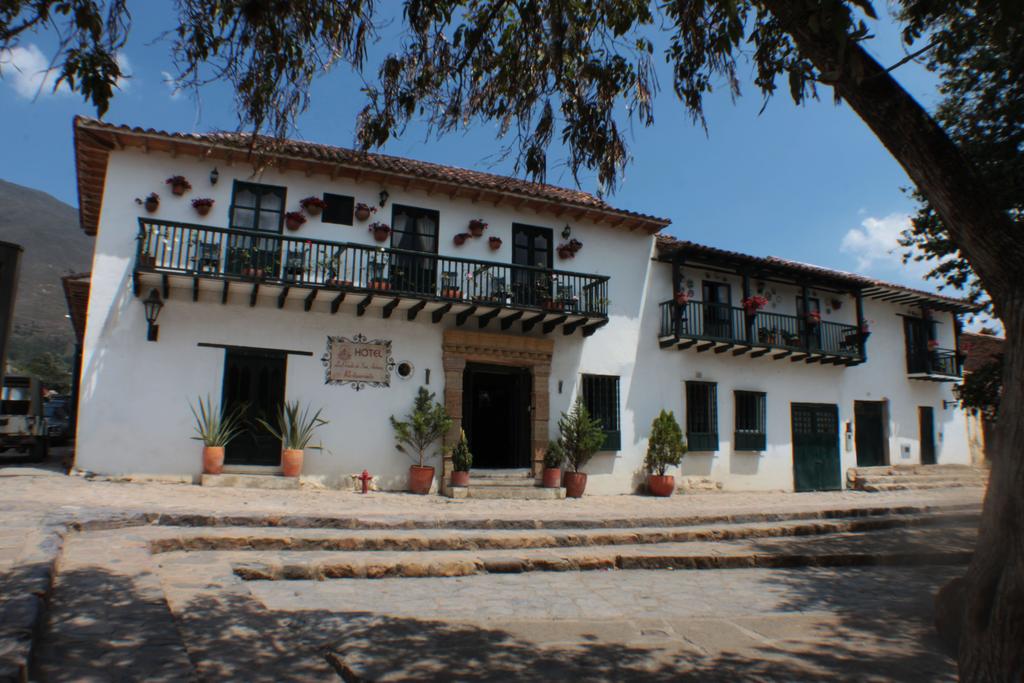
496,415
531,246
815,447
869,421
926,419
254,379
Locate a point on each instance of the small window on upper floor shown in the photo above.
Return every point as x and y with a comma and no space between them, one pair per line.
257,207
339,209
600,394
414,229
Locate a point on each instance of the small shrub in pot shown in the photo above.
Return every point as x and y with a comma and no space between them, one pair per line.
294,427
423,427
554,457
665,448
462,461
216,428
580,437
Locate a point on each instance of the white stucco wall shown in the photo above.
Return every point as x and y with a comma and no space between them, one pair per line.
134,414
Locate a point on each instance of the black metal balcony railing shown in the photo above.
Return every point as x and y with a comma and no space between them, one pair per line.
296,261
730,324
933,362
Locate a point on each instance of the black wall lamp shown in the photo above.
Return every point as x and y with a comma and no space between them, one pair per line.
384,197
946,405
566,231
152,303
214,176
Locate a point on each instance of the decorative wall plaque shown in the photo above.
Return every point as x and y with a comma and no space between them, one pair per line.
358,361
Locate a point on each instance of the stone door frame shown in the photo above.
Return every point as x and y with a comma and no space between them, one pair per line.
460,347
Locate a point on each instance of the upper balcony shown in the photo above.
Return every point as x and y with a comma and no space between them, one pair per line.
721,328
377,278
933,364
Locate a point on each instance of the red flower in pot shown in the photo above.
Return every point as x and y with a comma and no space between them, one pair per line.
294,220
313,205
813,318
202,205
477,227
753,304
494,242
179,184
460,238
682,297
364,211
151,202
380,231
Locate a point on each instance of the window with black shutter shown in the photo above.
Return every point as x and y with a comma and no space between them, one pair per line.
601,398
702,416
751,423
339,209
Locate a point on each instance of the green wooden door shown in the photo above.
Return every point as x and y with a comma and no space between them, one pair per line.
815,447
870,432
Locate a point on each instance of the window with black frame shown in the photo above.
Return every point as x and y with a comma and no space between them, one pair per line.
258,208
414,230
600,394
751,421
702,416
717,310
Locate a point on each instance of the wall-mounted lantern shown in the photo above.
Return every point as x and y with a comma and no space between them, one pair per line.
946,404
152,303
214,176
566,232
384,197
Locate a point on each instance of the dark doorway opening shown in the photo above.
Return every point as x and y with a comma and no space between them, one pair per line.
254,379
869,425
926,418
815,447
496,415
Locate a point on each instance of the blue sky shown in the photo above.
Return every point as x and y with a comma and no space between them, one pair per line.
809,183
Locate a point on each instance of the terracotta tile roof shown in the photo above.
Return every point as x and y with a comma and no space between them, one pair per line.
92,137
980,349
869,287
76,293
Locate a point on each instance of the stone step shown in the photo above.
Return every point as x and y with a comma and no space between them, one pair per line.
501,481
512,473
953,481
952,469
530,492
250,481
899,547
915,486
412,540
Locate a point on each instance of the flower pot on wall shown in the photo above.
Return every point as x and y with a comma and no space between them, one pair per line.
477,227
420,479
494,243
460,238
151,205
291,462
363,212
575,483
552,477
661,485
460,478
213,459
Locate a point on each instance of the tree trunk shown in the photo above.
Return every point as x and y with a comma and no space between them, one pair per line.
992,640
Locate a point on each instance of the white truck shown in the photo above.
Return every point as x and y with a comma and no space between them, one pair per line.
23,417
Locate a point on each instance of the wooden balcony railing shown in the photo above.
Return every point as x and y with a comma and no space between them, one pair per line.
724,325
934,362
209,252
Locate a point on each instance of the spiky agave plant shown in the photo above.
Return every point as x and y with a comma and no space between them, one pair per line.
214,425
295,426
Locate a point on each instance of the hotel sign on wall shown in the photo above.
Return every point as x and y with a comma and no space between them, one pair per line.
358,361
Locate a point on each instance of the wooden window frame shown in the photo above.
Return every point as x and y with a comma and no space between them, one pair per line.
597,389
256,210
704,440
746,437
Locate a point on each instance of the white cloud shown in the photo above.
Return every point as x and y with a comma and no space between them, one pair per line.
26,69
173,86
126,70
876,244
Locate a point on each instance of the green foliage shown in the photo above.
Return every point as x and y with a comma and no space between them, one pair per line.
425,425
462,459
982,389
214,425
554,456
580,436
49,368
295,426
665,446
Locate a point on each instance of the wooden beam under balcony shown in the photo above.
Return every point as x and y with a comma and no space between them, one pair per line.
224,293
530,322
594,327
722,348
549,325
780,356
488,317
797,357
573,326
195,288
438,313
310,298
390,307
706,346
759,352
362,305
463,315
507,321
689,343
337,302
253,293
282,296
740,350
415,309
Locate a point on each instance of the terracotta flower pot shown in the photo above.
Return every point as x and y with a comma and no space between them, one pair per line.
565,253
363,214
381,235
213,459
460,239
552,477
575,483
293,223
179,189
460,478
476,228
661,485
152,205
494,243
291,462
380,284
203,209
420,479
312,209
452,293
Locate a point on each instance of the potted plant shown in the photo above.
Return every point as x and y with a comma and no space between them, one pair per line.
753,304
665,448
580,437
295,427
202,205
813,318
364,211
554,456
682,297
422,428
151,202
380,231
564,252
494,242
179,184
462,460
451,293
574,245
477,227
294,220
216,428
313,205
460,238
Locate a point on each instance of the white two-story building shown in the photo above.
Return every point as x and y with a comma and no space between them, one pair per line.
560,296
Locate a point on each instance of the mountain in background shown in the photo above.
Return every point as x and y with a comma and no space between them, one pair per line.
47,229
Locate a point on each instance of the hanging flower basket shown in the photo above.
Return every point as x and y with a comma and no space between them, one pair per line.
179,184
380,231
294,220
753,304
813,318
151,202
313,205
494,243
364,211
202,205
933,344
477,227
682,297
460,238
568,250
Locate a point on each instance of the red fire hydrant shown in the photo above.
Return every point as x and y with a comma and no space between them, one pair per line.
366,478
